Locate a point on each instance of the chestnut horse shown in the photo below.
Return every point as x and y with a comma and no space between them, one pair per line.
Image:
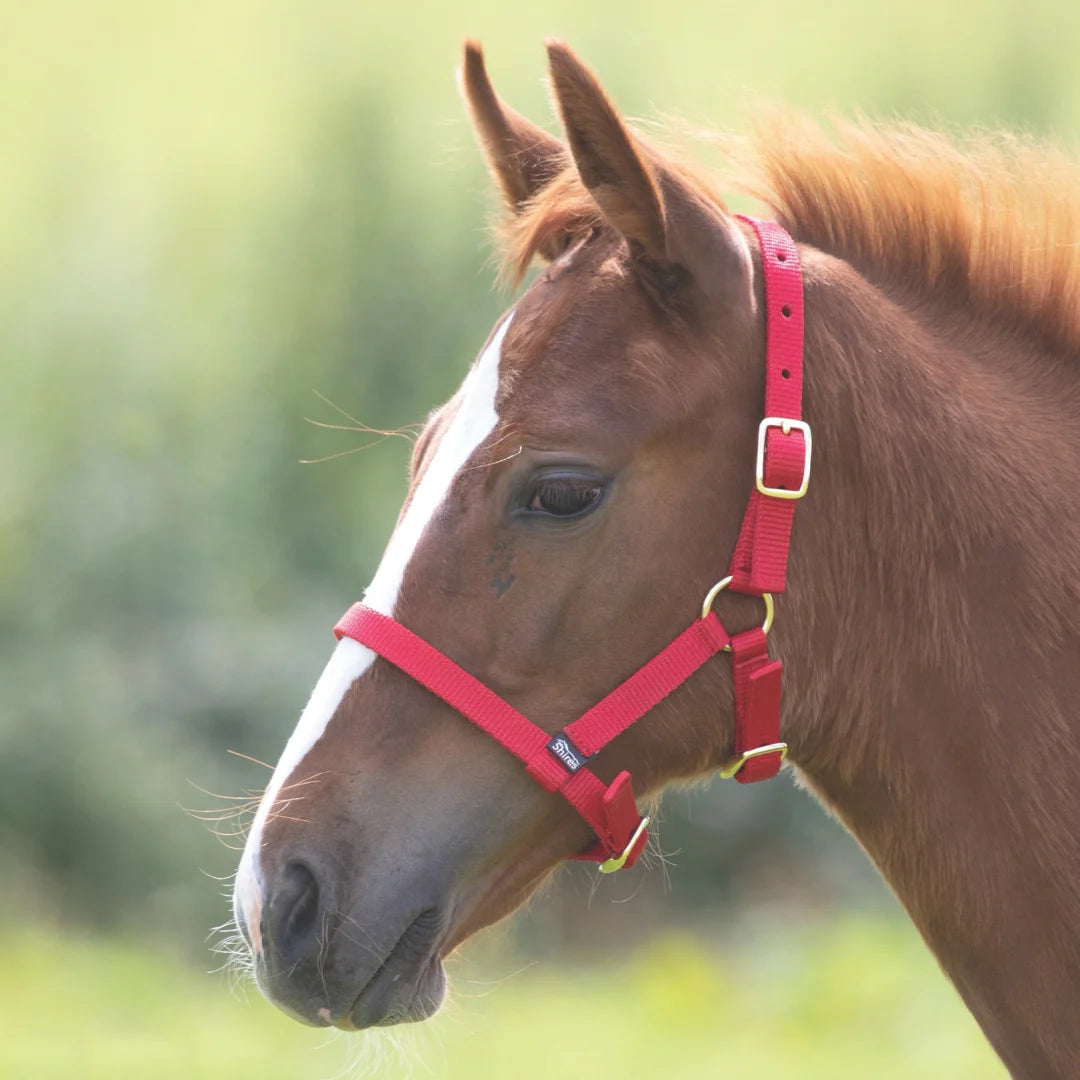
575,499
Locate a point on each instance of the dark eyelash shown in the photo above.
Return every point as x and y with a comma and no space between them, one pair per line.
564,496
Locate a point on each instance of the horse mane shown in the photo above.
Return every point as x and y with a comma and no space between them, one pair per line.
989,220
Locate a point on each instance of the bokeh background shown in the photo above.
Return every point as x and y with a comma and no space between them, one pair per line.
216,219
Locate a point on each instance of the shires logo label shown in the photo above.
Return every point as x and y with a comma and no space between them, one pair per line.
566,752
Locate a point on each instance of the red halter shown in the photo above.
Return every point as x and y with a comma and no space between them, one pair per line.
758,567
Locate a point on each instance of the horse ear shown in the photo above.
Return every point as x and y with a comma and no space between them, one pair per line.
673,229
522,157
618,177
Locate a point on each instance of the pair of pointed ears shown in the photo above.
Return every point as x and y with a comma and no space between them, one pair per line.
671,228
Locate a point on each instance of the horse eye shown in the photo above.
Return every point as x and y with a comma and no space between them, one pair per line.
565,496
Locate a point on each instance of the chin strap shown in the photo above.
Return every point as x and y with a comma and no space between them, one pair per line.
559,762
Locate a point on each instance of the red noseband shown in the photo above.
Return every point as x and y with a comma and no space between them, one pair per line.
758,567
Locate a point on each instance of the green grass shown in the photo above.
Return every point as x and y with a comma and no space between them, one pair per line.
857,999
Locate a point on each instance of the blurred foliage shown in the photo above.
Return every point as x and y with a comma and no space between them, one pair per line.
860,1000
208,211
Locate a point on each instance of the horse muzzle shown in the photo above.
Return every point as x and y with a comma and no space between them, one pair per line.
328,959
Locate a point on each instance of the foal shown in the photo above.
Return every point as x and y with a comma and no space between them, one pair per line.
574,501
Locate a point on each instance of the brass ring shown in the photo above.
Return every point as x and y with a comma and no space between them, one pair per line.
719,587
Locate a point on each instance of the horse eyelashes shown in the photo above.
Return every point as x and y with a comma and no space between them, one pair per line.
565,496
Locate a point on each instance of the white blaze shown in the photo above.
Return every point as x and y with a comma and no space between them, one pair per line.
473,421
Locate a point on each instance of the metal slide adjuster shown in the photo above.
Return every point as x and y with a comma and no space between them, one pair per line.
617,862
787,426
732,767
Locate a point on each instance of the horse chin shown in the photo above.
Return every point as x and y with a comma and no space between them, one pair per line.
409,985
402,996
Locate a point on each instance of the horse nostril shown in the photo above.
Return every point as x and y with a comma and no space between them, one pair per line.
294,912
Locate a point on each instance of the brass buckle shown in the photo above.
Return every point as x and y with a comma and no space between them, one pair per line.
617,862
723,583
729,770
787,427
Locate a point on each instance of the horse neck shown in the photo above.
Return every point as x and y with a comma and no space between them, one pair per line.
930,634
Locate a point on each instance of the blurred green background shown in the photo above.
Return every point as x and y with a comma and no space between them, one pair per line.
208,212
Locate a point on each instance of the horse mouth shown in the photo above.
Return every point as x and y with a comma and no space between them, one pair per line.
408,986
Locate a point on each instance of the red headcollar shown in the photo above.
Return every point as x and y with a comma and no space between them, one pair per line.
758,567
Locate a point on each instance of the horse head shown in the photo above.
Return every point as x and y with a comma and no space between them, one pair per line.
568,509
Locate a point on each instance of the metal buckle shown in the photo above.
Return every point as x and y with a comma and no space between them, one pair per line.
617,862
787,426
723,583
729,770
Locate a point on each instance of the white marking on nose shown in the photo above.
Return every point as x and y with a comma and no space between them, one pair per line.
473,421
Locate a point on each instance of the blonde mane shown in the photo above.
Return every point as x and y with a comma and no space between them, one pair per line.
991,220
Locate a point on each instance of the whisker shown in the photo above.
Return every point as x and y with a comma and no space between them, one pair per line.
360,425
215,795
307,780
237,817
223,879
224,835
497,461
491,985
637,889
406,431
248,757
237,962
323,953
217,815
344,453
351,919
284,804
285,817
594,887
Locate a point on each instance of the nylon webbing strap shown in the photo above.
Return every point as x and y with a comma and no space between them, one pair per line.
757,705
609,810
649,685
759,564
